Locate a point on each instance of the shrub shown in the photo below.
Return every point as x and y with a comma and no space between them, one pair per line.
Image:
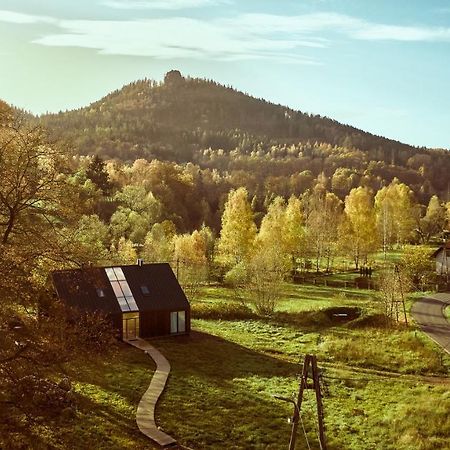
373,320
221,311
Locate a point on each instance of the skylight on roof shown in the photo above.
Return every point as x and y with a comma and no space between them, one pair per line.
121,289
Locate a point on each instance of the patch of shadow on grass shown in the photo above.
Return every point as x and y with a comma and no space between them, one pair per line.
107,390
219,357
223,393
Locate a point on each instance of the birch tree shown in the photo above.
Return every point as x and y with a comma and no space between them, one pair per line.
238,232
358,232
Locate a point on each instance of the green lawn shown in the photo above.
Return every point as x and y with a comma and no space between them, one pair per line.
385,388
108,390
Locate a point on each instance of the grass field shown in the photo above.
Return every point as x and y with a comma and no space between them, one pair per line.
385,388
108,390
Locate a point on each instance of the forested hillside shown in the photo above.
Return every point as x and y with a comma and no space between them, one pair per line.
237,194
270,149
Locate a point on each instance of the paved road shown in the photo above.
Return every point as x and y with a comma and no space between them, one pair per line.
429,314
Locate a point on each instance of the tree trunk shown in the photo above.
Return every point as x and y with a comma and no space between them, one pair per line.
9,228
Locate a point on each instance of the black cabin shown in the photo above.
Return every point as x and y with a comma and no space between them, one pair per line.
142,300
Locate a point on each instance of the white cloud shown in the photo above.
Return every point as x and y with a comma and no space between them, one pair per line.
162,4
24,19
378,32
175,38
329,23
275,38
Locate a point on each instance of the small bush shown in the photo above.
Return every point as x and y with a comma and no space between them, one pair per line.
221,311
377,320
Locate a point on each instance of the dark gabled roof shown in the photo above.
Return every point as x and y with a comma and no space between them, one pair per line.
165,291
78,288
445,246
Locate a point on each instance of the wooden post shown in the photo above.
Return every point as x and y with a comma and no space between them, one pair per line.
301,389
316,383
397,270
310,361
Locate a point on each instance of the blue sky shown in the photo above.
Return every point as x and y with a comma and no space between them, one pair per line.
383,66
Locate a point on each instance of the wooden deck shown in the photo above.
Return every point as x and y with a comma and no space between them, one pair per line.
145,416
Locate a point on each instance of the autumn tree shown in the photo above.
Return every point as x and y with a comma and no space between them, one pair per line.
282,227
86,242
265,273
358,232
124,252
273,225
294,228
32,186
260,275
434,221
39,210
138,211
191,261
238,232
395,213
158,244
323,213
417,264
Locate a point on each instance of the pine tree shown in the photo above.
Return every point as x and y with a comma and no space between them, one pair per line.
96,172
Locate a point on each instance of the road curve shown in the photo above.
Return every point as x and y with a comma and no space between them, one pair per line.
429,314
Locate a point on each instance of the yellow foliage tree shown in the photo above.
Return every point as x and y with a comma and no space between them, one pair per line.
358,231
395,213
238,232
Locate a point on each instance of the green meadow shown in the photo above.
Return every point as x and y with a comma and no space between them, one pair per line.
385,385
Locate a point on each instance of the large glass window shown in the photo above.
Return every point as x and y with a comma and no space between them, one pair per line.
174,322
181,322
178,322
130,323
121,289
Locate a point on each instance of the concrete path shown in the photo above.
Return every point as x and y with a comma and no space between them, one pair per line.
145,416
429,314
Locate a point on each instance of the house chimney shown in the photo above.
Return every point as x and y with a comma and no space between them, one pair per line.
140,262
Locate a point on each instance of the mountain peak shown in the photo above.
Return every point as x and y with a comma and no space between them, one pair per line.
173,77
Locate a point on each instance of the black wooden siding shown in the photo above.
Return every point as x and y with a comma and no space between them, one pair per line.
78,288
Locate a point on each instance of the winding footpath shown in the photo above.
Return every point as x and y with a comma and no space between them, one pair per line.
145,416
429,314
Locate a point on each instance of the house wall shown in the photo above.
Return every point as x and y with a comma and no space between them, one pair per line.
151,323
116,320
157,323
